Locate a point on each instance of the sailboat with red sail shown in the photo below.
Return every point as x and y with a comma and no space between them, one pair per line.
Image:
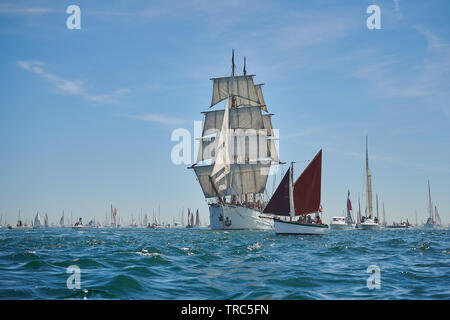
299,201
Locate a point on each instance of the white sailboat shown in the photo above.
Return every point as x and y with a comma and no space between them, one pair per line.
367,222
46,221
299,200
37,221
433,220
236,152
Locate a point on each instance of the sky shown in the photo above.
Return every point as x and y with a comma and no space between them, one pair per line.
86,115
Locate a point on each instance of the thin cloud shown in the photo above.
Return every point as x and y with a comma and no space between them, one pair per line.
71,87
426,80
397,9
157,118
7,8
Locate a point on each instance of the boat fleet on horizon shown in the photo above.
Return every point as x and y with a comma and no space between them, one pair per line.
113,221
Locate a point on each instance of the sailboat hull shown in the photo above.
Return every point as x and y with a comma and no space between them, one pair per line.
234,217
288,227
369,226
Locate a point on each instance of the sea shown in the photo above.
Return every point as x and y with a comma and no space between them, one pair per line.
199,263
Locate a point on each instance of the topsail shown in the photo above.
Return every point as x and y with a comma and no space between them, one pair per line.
241,87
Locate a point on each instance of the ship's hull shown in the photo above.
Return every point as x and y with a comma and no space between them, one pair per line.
235,217
339,226
288,227
369,226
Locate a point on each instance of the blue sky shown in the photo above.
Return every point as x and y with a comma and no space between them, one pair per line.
86,115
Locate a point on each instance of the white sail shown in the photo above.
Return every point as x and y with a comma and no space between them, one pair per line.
239,118
267,123
244,146
430,204
437,218
37,221
239,86
221,167
245,178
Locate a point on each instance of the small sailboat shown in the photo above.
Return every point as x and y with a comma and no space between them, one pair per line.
37,221
434,220
367,222
19,223
197,219
341,222
299,199
46,221
79,225
190,219
61,221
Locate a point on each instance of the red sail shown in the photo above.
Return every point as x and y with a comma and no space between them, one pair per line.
307,187
279,203
349,205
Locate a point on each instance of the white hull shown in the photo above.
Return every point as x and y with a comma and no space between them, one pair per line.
80,227
234,217
287,227
369,226
339,226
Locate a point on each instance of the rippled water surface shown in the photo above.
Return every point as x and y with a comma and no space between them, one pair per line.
206,264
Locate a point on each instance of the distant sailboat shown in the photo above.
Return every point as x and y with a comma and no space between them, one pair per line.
343,222
431,221
61,221
299,199
367,222
190,219
19,223
46,221
197,219
37,221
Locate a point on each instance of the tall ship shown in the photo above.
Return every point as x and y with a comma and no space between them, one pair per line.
236,152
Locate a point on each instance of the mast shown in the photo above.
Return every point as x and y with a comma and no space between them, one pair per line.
349,208
359,211
232,63
245,71
368,184
377,206
384,216
291,191
430,205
